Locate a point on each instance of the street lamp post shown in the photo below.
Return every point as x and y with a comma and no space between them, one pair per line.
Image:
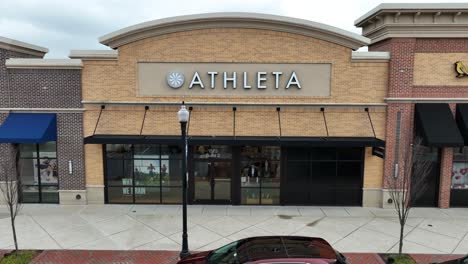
183,115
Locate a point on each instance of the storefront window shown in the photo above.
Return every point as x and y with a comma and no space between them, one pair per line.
260,174
143,173
39,173
460,170
212,151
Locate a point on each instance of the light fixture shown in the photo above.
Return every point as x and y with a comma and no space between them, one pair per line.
183,114
70,167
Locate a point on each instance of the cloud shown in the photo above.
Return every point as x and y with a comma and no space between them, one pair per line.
63,25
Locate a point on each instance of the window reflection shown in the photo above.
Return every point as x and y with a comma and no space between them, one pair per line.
39,173
146,173
260,174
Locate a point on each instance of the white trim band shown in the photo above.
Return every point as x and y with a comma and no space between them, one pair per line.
94,54
43,110
69,64
425,100
130,103
22,47
233,20
371,56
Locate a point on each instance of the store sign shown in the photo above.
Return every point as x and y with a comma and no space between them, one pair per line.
460,69
240,79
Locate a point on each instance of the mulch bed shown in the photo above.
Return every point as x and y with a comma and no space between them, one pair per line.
106,256
427,259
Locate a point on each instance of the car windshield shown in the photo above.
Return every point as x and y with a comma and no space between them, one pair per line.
252,249
225,255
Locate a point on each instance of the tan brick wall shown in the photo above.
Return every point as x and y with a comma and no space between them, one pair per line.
437,69
94,164
211,121
253,121
373,170
302,122
351,82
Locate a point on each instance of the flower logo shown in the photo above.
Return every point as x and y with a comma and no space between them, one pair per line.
175,79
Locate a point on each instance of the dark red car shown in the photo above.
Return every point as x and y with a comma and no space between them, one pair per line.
270,249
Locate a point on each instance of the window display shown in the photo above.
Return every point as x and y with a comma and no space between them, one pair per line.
260,174
145,173
39,172
460,169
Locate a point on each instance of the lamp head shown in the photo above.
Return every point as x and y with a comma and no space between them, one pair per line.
183,114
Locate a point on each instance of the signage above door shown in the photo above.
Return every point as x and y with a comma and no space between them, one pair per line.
236,79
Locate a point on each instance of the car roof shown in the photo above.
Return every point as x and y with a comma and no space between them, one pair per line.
284,247
292,261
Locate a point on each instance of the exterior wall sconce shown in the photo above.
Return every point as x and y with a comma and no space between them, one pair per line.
70,167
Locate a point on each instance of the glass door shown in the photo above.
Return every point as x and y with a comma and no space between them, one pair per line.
212,181
212,173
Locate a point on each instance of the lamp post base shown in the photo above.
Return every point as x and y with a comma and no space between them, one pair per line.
184,253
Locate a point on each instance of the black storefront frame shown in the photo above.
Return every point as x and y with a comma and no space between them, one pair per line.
160,186
284,176
39,177
235,143
458,196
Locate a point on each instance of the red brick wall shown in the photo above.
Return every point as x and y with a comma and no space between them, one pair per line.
400,85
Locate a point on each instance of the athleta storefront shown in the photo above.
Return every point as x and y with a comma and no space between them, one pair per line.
282,111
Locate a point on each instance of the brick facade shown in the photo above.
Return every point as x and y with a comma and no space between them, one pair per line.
45,89
402,85
4,85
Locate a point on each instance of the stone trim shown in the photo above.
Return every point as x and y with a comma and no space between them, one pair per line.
22,47
233,20
130,103
425,100
69,64
94,54
372,56
42,110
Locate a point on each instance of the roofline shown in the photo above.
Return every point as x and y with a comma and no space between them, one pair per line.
22,47
69,64
94,54
233,20
409,7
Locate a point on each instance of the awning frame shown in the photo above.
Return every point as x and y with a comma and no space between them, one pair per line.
231,140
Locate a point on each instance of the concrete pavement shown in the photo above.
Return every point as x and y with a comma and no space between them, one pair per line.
158,227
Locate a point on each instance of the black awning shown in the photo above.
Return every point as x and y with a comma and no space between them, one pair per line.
436,125
462,121
200,140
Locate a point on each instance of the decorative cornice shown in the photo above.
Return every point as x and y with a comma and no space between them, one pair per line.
415,21
22,47
94,54
69,64
233,20
416,8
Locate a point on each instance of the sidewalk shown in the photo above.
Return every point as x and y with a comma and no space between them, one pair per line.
158,227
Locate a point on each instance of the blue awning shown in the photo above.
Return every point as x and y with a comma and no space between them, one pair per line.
28,128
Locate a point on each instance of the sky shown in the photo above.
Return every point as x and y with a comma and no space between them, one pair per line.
64,25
